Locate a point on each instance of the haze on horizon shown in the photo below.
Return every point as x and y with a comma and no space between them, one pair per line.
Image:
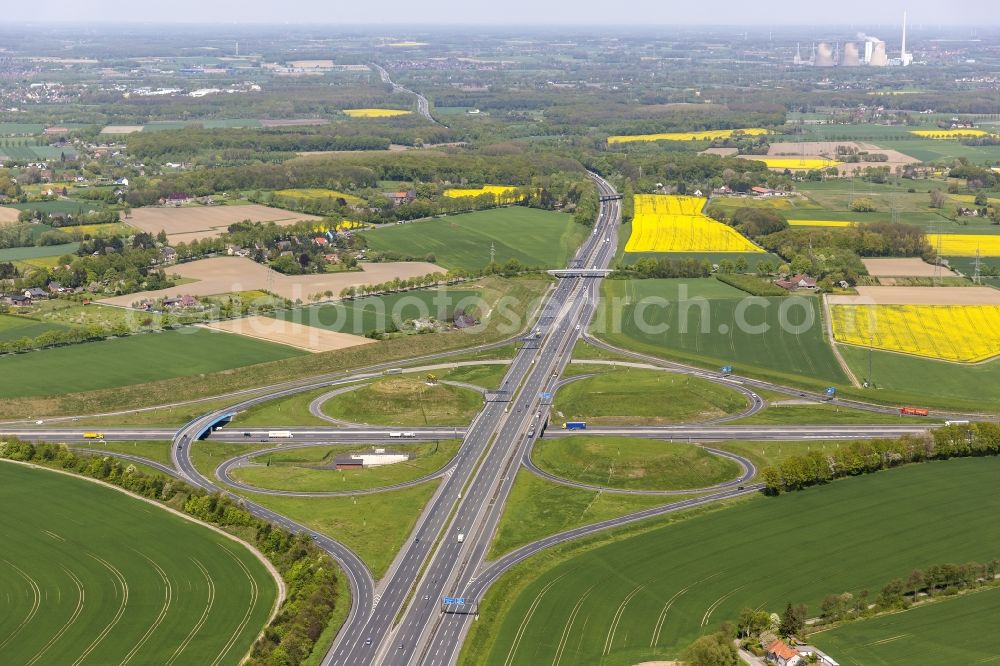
396,13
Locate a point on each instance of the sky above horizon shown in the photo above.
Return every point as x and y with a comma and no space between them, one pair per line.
647,13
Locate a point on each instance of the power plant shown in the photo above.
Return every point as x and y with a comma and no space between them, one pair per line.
873,53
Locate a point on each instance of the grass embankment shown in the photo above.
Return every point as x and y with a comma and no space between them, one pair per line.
632,463
402,400
632,396
536,238
848,536
486,376
290,411
537,508
93,552
309,469
158,451
818,413
60,400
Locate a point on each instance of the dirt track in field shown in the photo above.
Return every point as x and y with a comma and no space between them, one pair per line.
309,338
919,296
904,267
223,275
186,223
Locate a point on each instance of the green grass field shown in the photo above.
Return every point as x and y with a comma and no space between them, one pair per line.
33,252
632,462
959,630
644,397
373,526
73,206
647,596
909,379
14,327
712,324
537,508
95,574
375,312
131,360
15,129
405,401
536,238
307,469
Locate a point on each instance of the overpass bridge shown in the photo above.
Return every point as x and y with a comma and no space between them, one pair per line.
581,272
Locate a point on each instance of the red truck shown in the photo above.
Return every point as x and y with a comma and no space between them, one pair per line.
913,411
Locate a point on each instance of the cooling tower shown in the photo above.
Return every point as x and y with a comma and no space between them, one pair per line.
852,58
879,57
824,55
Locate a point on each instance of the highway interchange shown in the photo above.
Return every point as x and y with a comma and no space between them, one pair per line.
401,620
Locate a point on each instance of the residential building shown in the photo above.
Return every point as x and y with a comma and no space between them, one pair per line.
781,654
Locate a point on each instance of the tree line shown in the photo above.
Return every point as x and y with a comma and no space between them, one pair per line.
856,458
310,575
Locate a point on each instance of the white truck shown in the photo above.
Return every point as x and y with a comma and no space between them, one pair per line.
279,434
461,537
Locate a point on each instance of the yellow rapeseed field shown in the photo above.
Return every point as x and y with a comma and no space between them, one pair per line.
819,223
499,191
948,134
796,163
318,193
965,245
376,113
707,135
666,223
964,333
345,225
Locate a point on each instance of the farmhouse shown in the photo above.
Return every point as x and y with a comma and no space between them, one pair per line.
401,197
35,293
376,458
781,654
800,281
19,300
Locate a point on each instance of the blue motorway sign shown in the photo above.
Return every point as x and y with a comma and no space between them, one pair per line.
831,391
454,601
546,396
727,368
